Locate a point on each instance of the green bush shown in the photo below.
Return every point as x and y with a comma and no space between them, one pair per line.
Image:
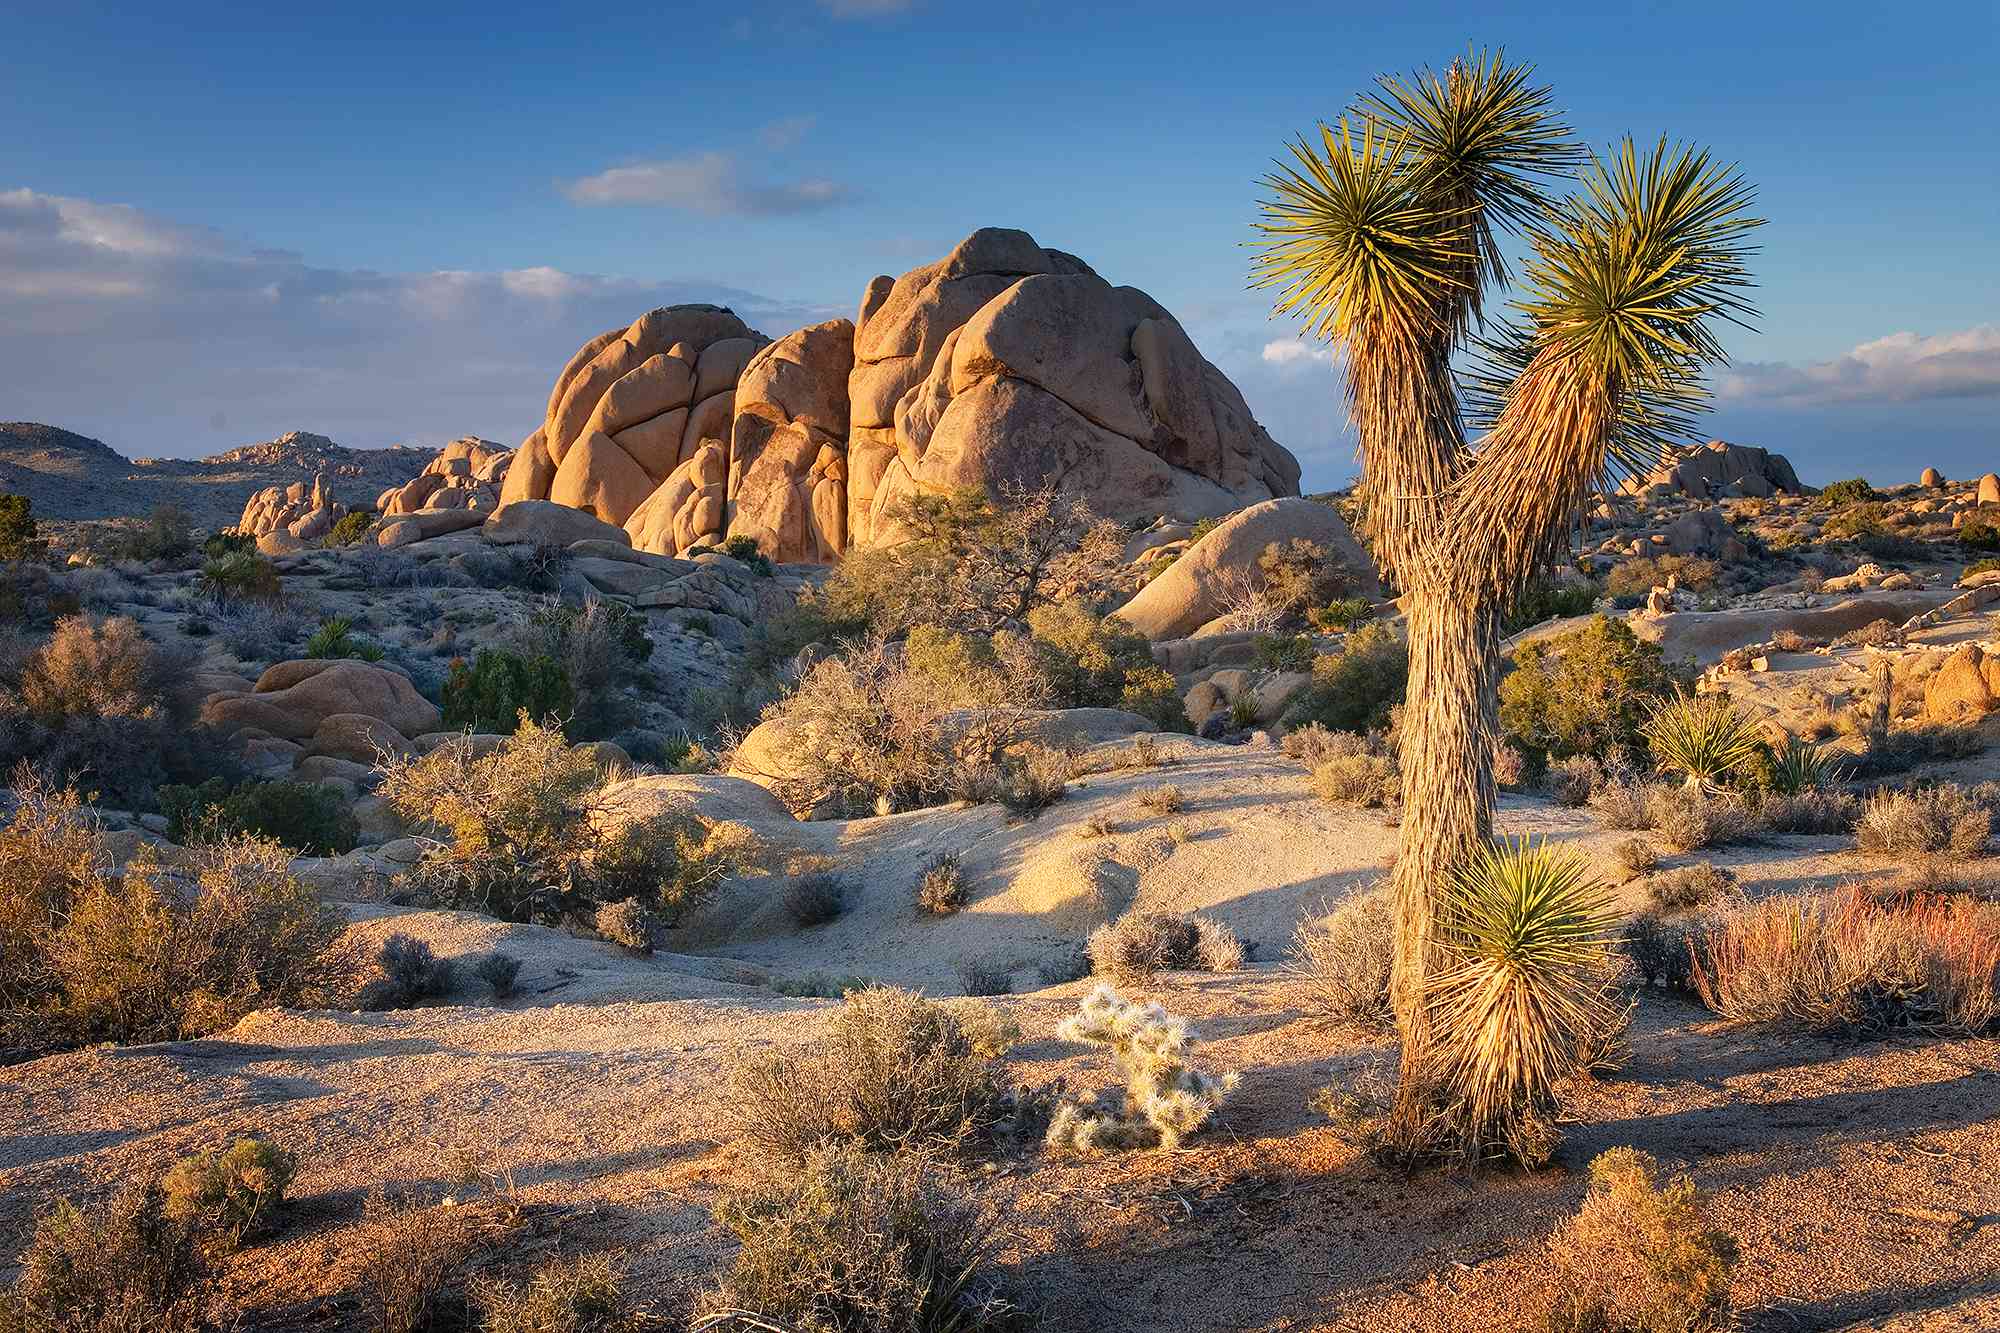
238,576
1585,691
598,646
1341,614
351,527
20,535
1855,490
1631,579
1979,535
306,817
1283,652
1355,686
335,638
500,687
1641,1256
166,533
744,548
1547,599
122,1266
231,1193
219,544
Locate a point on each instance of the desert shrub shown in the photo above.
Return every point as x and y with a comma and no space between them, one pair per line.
1355,686
1812,810
498,971
96,668
1342,959
1550,599
1636,856
1688,820
1845,963
411,1274
350,527
1139,944
1840,494
1070,964
597,646
1166,1097
1584,691
258,631
159,953
1573,779
941,886
230,1193
1661,948
1510,765
744,548
305,816
895,1072
1216,947
974,563
227,542
1863,523
1699,885
520,841
123,1266
1641,1257
239,576
500,688
990,1033
1631,579
1313,743
335,638
1341,614
1083,660
584,1294
51,851
1942,821
628,924
1979,535
1283,652
412,972
1703,738
815,898
1368,780
1165,799
166,533
1033,777
1524,930
850,1242
979,977
1622,802
20,535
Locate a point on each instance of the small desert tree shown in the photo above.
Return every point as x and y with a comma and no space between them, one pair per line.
1385,237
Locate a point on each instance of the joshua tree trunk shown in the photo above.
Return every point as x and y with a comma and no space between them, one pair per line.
1448,791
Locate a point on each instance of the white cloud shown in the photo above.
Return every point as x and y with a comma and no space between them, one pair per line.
710,183
1295,353
1899,368
144,332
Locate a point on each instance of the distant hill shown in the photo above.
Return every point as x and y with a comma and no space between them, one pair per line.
73,477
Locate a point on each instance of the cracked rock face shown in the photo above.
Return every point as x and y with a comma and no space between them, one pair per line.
1002,362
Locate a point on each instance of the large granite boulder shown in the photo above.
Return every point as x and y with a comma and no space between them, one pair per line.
631,406
542,523
1718,470
292,700
1195,589
787,478
300,512
465,475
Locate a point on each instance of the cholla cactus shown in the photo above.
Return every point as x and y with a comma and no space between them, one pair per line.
1166,1098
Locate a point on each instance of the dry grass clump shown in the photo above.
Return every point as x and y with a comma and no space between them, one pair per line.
153,952
584,1294
526,836
1342,959
121,1266
1621,802
1688,819
1940,821
1662,948
1641,1257
852,1242
412,1280
1165,1098
941,886
229,1194
1850,964
814,898
1811,810
1140,944
1100,825
629,924
990,1033
1165,799
979,977
1357,770
895,1072
1636,856
1700,885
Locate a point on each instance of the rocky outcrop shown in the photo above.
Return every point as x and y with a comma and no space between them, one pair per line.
301,512
1718,470
1197,587
633,405
1002,363
466,474
1965,686
293,700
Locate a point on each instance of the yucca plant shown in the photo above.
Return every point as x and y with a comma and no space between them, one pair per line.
1703,738
1799,765
1526,932
1384,236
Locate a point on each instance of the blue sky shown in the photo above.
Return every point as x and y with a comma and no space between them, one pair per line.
395,223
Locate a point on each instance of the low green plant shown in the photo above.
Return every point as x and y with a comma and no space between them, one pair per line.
305,816
350,527
229,1193
1585,691
1799,766
1550,599
500,688
1355,686
744,548
240,576
1703,738
20,535
1341,614
1283,652
218,544
1840,494
122,1266
335,639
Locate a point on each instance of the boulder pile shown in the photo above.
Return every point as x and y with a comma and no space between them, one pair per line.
1717,470
1002,363
466,474
290,516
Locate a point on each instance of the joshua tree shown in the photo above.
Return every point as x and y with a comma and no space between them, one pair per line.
1385,237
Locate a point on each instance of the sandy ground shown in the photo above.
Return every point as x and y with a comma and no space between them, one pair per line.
1863,1179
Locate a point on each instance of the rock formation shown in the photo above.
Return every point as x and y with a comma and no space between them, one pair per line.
1718,470
301,513
1001,362
465,475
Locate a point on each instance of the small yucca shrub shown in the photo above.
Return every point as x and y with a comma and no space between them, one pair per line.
230,1193
1703,738
1166,1097
1800,766
1524,930
1850,964
1641,1257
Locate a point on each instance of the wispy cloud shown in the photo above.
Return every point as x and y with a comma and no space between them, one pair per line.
710,183
866,9
143,331
782,134
1296,353
1900,368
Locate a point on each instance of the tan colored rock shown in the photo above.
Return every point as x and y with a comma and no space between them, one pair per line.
531,473
690,508
601,478
542,523
1989,490
1191,592
1963,686
789,441
1931,478
294,698
357,737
